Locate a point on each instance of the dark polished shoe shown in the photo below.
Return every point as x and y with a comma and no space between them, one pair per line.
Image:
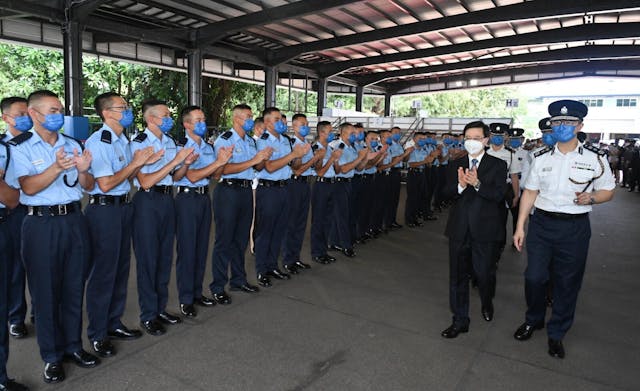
188,310
396,226
525,331
18,330
103,348
302,265
487,313
53,372
453,331
348,252
222,298
168,318
153,327
204,301
264,281
124,333
556,349
413,225
335,248
322,259
330,258
248,288
278,274
292,269
12,385
549,301
83,359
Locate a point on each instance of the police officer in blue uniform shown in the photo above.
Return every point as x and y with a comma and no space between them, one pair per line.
396,151
51,170
415,177
298,192
193,210
232,200
563,183
109,216
271,196
154,215
8,199
15,115
367,212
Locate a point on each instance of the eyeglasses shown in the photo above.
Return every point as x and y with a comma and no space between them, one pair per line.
123,108
474,138
570,122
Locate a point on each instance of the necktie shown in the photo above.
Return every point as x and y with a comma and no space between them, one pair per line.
474,163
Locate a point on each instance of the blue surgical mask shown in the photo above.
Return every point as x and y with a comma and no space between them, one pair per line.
352,138
127,118
374,144
429,140
516,143
447,141
53,122
563,133
23,123
396,137
304,131
548,139
166,125
280,127
200,129
422,142
360,136
247,125
330,137
389,141
496,140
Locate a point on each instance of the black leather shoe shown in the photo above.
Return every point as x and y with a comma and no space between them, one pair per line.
335,248
330,258
18,330
53,372
453,331
292,269
168,318
264,281
204,301
321,259
525,331
248,288
348,252
153,327
103,348
278,274
396,226
12,385
222,298
83,359
188,310
487,313
125,333
302,265
412,225
556,349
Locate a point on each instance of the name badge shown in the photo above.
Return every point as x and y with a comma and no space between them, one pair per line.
547,169
37,162
121,158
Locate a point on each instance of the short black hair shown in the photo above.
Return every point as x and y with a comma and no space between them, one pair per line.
149,103
358,125
36,95
241,106
343,126
270,110
6,103
371,132
477,124
101,101
259,120
395,127
296,116
322,125
187,110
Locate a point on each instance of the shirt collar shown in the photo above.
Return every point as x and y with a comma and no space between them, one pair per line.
152,137
478,158
37,139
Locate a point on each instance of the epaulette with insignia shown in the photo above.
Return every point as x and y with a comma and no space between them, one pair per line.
19,139
105,137
74,139
182,142
594,149
542,151
265,136
140,137
171,138
226,135
291,140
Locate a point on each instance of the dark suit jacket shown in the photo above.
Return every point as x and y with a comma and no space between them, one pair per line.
479,212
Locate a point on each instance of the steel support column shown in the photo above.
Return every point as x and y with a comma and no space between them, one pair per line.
270,83
322,95
359,97
387,105
194,75
72,48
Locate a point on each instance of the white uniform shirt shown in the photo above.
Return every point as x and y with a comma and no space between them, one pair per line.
513,165
550,173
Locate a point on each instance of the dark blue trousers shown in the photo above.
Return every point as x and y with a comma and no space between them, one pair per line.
5,248
322,215
365,205
394,196
193,225
110,234
56,253
355,197
153,233
17,302
380,200
415,182
566,243
298,204
341,205
430,185
272,216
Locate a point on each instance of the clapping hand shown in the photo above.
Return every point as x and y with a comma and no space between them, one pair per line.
62,161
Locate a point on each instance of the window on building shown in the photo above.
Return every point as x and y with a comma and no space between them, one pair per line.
626,102
592,102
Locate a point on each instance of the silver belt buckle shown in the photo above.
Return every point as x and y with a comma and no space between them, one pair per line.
62,210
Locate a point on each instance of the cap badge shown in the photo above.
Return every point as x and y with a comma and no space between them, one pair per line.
564,110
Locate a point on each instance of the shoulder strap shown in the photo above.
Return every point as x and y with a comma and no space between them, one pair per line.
140,137
105,137
74,139
19,139
542,151
594,149
182,142
227,135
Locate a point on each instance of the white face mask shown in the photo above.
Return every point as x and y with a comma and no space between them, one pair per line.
473,146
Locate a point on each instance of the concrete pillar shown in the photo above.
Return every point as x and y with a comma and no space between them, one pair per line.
359,97
72,50
322,94
387,105
194,75
270,83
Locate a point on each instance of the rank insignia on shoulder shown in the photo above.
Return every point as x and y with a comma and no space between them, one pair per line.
226,135
140,137
105,137
594,149
182,142
19,139
542,151
74,139
265,136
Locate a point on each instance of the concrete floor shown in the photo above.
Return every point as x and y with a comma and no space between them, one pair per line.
374,322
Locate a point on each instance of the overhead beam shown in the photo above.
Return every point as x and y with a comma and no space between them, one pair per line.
585,32
80,11
590,52
520,11
207,35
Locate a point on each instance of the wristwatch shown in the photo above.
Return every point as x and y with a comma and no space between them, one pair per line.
592,200
477,185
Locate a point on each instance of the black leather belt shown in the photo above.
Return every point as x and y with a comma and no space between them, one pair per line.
357,176
4,212
417,170
562,216
162,189
301,178
104,199
368,176
341,179
20,207
197,190
396,168
54,210
236,182
322,179
270,183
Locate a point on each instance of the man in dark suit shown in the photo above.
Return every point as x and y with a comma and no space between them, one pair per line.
476,184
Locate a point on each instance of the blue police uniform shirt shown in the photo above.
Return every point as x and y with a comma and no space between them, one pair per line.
331,172
445,153
396,150
386,160
281,148
32,157
4,161
243,149
417,155
349,154
109,158
359,146
170,150
206,157
307,156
